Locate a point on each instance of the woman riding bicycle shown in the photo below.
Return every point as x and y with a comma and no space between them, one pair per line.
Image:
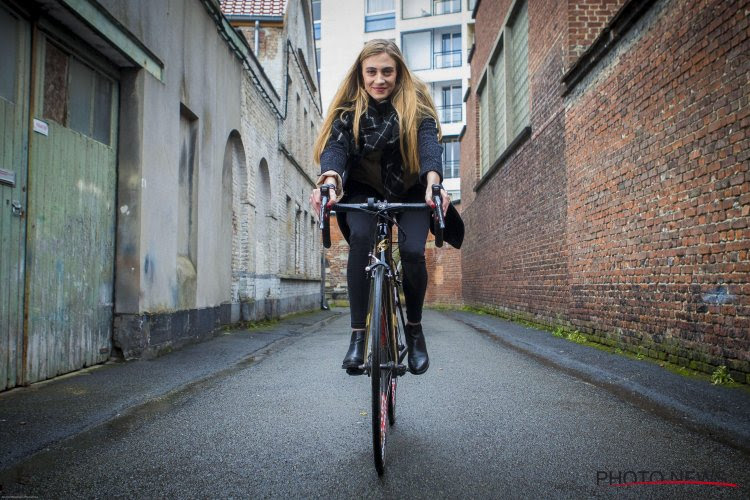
380,139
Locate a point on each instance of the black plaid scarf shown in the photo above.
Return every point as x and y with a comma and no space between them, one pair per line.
378,131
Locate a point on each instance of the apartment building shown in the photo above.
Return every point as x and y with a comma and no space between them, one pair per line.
435,37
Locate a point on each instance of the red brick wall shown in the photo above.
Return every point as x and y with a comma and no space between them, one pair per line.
336,258
445,286
514,257
625,214
657,153
586,19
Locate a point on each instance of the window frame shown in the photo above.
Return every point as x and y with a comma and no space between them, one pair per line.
433,9
448,89
381,16
451,30
100,72
453,2
432,45
452,139
514,133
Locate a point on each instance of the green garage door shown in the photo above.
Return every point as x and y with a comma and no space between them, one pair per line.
71,212
14,83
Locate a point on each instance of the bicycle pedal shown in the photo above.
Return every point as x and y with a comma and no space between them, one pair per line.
355,371
401,370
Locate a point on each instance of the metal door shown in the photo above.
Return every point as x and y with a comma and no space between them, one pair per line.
71,210
14,102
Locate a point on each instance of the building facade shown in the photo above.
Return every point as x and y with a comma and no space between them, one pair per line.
149,193
284,265
605,164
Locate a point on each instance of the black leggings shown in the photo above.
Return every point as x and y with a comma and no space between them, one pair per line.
412,239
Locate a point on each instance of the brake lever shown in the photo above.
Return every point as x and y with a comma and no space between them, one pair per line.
438,214
325,196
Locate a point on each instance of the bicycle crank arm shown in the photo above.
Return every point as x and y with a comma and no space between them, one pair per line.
402,354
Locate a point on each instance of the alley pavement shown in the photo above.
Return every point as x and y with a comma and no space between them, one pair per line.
504,410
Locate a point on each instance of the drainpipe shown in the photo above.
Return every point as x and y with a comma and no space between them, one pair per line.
257,35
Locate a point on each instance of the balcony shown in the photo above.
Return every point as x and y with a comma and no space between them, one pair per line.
450,113
412,9
445,7
447,59
432,48
451,169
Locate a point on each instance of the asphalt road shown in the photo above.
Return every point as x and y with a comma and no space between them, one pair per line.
484,421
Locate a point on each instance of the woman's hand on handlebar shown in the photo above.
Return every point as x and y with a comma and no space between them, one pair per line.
446,200
315,199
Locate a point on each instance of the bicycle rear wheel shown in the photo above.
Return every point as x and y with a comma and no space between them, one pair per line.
381,372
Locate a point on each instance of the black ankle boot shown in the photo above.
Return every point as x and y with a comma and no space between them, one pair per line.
356,354
418,359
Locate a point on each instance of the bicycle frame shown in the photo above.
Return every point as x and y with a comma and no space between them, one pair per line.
382,256
385,351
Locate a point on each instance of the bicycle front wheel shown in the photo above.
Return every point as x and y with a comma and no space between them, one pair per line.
381,372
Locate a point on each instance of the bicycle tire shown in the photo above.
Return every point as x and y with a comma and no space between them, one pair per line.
394,380
392,402
380,378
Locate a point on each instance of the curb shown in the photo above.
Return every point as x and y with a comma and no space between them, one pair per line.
122,410
729,432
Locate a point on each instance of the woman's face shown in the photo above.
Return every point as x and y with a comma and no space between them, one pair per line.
379,74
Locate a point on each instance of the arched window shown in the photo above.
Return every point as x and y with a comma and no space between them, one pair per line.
235,218
263,214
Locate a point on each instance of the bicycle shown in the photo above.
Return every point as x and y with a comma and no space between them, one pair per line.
384,343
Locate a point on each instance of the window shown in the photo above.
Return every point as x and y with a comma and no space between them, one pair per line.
187,194
316,18
449,104
317,64
379,15
421,8
417,47
76,96
519,67
431,49
445,7
9,55
290,236
416,8
497,97
451,157
484,128
316,10
449,55
504,89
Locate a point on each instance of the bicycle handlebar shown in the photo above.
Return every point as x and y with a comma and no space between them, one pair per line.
376,207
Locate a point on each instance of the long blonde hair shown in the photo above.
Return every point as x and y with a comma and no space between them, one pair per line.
410,98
